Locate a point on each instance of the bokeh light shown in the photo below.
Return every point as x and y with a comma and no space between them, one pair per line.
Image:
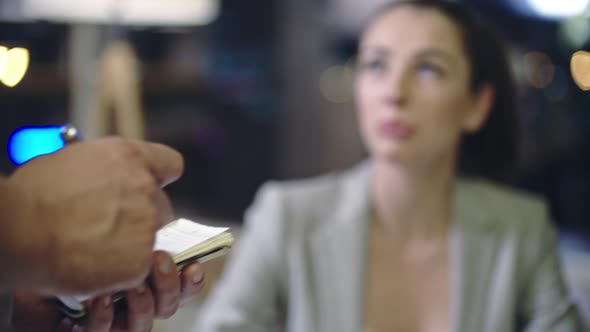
13,65
580,68
539,69
3,61
558,8
336,83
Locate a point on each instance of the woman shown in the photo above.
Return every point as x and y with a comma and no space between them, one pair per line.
418,238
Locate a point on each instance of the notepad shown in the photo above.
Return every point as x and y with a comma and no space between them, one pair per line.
185,240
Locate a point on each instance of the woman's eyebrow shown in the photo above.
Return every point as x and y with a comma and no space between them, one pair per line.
377,50
437,53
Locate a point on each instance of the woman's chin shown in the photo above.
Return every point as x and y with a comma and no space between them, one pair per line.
395,155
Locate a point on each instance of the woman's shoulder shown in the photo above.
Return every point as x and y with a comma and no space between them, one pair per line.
503,205
299,207
501,194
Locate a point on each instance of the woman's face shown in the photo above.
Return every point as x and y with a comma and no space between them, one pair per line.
413,88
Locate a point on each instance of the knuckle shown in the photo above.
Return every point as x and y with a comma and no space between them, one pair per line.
120,151
127,149
116,147
169,287
151,216
146,184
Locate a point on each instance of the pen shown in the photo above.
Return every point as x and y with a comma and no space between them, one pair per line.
69,135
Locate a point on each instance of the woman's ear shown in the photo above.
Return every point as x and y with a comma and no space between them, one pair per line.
482,104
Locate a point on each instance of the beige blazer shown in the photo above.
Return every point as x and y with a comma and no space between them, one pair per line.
300,264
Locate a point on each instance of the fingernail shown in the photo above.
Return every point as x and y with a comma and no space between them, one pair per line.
198,278
140,289
106,301
165,267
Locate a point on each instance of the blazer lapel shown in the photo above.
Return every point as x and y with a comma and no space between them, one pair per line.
473,242
338,257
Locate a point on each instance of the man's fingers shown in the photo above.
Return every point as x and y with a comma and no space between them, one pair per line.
166,284
30,305
140,308
100,315
165,163
192,279
66,325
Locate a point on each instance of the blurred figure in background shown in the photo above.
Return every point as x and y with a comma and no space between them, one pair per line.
119,108
422,237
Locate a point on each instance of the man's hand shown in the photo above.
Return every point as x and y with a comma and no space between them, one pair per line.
159,297
91,213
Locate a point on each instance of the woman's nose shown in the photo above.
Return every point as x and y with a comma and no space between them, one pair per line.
397,87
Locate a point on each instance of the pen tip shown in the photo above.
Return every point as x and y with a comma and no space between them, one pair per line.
69,134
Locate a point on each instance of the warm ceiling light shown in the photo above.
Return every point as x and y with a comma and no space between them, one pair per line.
123,12
580,67
3,58
13,65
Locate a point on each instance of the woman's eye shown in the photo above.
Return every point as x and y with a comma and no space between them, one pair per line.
430,69
373,65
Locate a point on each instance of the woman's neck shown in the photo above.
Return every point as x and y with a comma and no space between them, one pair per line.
413,202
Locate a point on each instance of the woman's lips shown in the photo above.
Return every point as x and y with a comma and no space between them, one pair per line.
395,129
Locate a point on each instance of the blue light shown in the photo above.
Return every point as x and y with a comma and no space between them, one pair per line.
28,143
